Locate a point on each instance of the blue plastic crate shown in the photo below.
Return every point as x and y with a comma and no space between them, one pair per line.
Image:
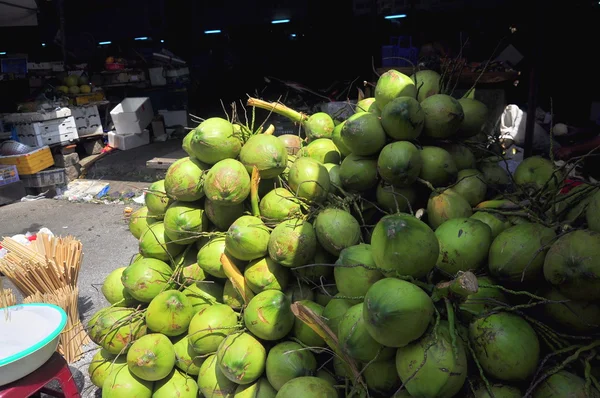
399,47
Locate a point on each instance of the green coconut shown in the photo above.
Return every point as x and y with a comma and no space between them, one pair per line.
186,145
140,220
505,345
302,332
232,297
536,173
319,269
293,243
120,382
381,377
227,183
592,214
176,384
292,143
355,271
260,389
434,366
403,119
241,358
214,140
404,245
222,216
116,329
209,257
354,338
287,361
334,312
309,179
326,375
324,294
518,253
484,300
323,150
363,134
572,315
212,382
395,200
146,278
437,167
185,180
204,294
307,387
463,157
564,385
114,291
265,152
496,222
170,313
184,221
334,177
336,229
102,364
185,358
393,84
358,173
278,205
265,274
498,391
336,137
427,83
319,125
156,199
269,316
446,206
155,243
209,327
368,105
189,270
151,357
396,312
476,114
494,174
399,163
247,238
464,245
299,291
471,186
572,265
443,116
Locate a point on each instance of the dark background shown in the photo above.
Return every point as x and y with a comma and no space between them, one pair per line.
331,43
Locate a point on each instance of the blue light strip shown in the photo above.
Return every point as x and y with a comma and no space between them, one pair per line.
210,32
396,16
105,42
141,38
3,53
280,21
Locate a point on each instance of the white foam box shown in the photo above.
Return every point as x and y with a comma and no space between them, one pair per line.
132,115
48,132
87,120
128,141
174,118
31,117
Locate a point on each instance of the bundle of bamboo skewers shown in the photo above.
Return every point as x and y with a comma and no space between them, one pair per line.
7,298
73,337
47,271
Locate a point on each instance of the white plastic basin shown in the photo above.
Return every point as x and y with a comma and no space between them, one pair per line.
28,338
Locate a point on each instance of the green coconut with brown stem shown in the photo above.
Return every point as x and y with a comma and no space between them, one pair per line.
445,206
309,179
102,364
266,274
140,220
363,134
247,238
185,179
336,229
156,200
358,173
151,357
114,292
464,245
176,384
288,360
265,152
355,272
212,382
222,216
227,183
204,294
185,222
319,125
214,140
146,278
293,243
399,163
278,205
115,329
209,327
155,243
393,84
170,313
269,316
438,167
323,150
241,358
186,359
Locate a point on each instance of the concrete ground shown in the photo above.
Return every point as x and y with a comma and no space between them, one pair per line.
107,244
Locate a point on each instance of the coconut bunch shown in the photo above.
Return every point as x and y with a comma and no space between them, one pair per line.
378,256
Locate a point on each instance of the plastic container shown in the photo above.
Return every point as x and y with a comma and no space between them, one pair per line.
399,48
50,177
24,348
129,141
8,174
132,115
30,163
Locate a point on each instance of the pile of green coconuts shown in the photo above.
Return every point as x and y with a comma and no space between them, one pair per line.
386,255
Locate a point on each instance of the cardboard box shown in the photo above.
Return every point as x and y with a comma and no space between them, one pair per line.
132,115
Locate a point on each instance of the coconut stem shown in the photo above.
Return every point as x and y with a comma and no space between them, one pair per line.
270,130
486,382
280,109
588,373
452,326
237,279
462,286
254,199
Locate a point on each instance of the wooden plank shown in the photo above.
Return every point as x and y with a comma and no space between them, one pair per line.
163,163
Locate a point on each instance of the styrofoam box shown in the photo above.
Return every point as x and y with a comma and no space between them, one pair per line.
31,117
48,132
128,141
174,118
132,115
87,120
